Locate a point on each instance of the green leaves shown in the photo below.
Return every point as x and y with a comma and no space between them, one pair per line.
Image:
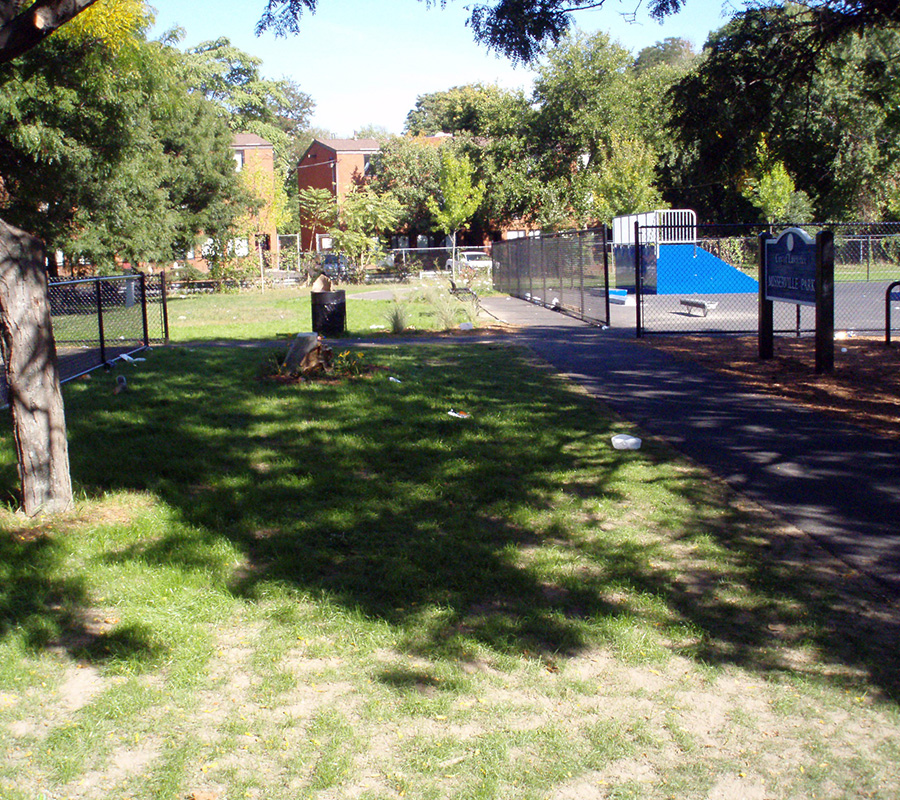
460,195
104,152
363,216
828,115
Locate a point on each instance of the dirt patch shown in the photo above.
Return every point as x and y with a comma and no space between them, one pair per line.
864,389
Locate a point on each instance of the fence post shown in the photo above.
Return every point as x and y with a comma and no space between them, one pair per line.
868,256
100,334
766,332
582,241
143,281
887,312
824,302
163,292
543,272
606,276
638,280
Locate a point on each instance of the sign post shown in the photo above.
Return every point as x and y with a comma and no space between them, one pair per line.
794,268
824,302
766,307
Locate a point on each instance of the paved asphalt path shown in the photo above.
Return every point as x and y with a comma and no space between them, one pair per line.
839,484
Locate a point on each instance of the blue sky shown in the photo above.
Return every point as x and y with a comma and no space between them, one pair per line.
366,61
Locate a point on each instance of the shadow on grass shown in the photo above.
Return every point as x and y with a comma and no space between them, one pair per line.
369,495
417,681
52,611
33,597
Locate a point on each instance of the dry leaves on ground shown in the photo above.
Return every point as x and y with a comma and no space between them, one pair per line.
863,390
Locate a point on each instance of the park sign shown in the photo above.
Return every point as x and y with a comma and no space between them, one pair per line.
791,268
794,268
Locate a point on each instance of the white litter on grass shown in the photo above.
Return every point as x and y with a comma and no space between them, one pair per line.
622,441
392,379
459,414
377,327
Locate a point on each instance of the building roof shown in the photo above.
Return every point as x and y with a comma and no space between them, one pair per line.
351,145
249,140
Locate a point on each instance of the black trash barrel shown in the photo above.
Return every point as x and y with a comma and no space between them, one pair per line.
329,312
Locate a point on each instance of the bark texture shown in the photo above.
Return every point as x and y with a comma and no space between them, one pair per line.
23,28
32,377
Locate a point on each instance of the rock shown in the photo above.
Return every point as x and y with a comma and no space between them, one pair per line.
322,284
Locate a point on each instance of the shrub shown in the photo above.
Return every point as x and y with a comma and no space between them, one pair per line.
397,317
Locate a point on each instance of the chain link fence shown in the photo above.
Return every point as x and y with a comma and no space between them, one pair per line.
708,285
711,286
97,320
567,271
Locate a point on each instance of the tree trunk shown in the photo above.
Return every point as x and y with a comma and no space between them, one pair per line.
32,377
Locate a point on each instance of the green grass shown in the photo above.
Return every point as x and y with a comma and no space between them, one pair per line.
335,589
282,313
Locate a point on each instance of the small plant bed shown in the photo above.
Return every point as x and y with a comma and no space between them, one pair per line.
346,365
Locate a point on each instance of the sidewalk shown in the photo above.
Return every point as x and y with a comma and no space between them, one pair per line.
838,484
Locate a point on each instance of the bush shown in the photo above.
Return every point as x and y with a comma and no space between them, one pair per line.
446,307
397,317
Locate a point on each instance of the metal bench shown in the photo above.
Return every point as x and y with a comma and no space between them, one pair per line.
701,305
461,292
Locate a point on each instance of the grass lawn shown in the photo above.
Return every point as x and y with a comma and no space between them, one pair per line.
335,589
282,313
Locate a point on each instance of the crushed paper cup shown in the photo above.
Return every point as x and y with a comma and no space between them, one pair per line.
622,441
459,414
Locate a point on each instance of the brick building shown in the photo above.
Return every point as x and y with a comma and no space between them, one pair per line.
336,165
255,156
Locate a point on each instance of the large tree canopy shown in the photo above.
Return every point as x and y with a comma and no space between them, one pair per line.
516,28
519,29
836,131
105,154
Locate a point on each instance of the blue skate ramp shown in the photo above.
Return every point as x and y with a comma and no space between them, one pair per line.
686,269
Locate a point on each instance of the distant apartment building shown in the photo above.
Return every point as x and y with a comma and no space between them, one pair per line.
256,157
340,165
337,165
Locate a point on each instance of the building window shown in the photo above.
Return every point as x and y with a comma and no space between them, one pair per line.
238,160
239,247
